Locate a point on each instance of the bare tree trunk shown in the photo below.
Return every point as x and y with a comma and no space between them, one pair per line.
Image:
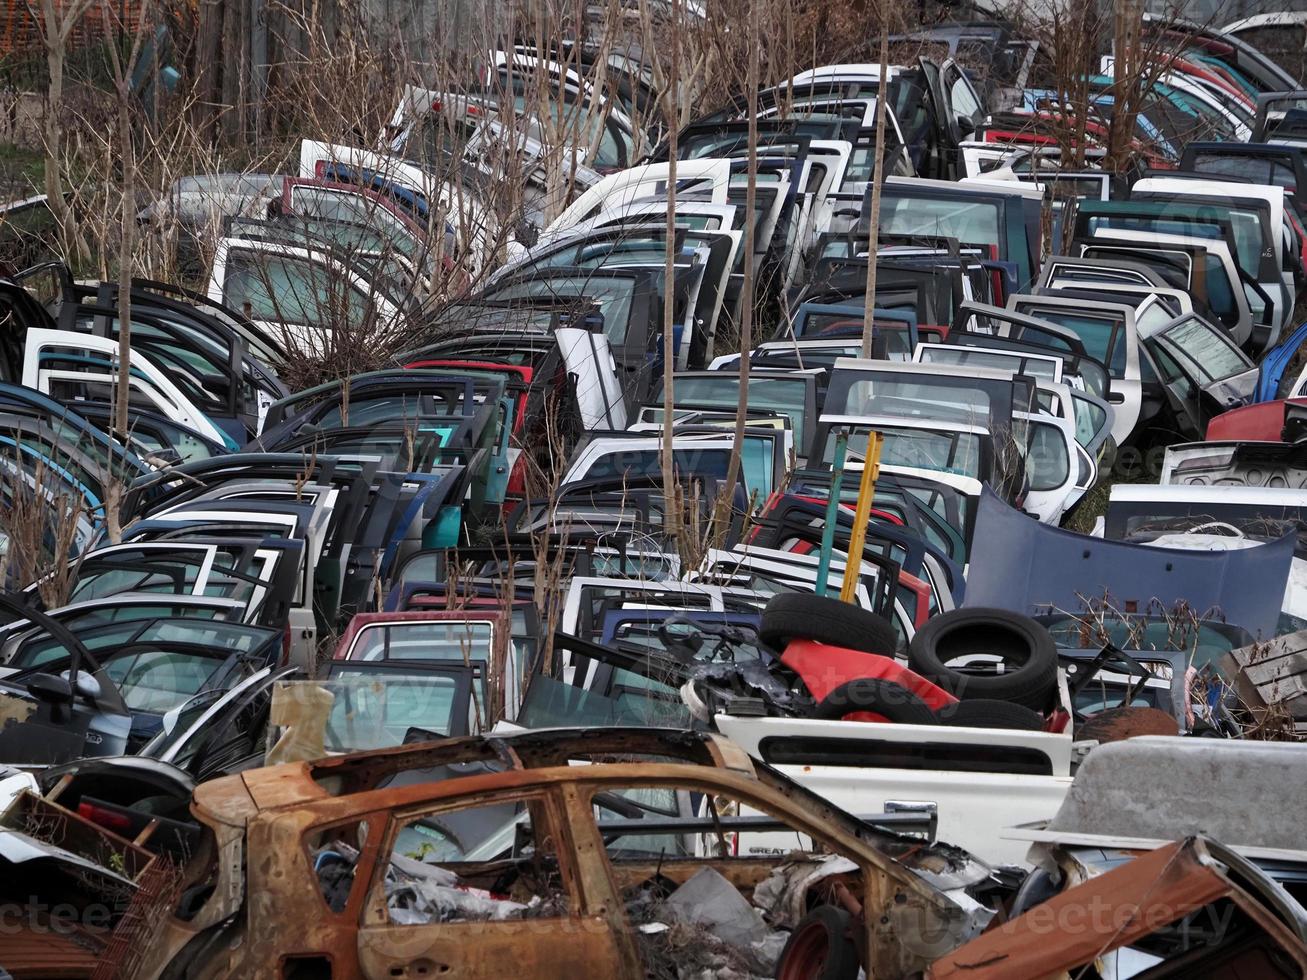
877,183
1126,71
208,71
125,257
122,81
56,26
671,512
723,511
231,47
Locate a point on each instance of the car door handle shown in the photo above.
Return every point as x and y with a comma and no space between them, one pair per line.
927,808
1116,398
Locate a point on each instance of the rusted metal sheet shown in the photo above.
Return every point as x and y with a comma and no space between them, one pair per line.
1108,912
46,953
1116,724
270,867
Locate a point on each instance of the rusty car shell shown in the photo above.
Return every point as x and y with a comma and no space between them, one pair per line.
1133,901
262,875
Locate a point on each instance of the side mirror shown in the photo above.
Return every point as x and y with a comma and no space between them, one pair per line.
50,689
87,686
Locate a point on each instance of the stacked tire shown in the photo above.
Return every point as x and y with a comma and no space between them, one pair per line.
1000,665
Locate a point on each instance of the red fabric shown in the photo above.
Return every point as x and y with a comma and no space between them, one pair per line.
824,668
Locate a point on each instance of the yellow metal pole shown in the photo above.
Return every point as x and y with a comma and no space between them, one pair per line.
862,514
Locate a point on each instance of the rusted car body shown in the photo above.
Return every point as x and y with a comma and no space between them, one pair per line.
1232,923
266,915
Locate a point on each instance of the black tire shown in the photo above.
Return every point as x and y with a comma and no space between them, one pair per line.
821,947
893,701
983,713
792,616
1027,651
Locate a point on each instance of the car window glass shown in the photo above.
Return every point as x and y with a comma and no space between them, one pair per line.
971,223
613,297
289,290
961,98
967,356
100,580
459,641
949,452
551,703
1101,336
159,680
1090,419
1048,466
1200,346
722,390
908,397
1260,170
1151,317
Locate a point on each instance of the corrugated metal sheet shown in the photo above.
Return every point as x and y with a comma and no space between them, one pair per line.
20,32
48,954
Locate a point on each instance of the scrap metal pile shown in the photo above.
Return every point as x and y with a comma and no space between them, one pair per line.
431,669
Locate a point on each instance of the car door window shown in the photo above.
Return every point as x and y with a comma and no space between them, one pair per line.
1173,376
688,825
962,100
1203,350
1103,339
159,680
1248,167
441,878
1090,419
289,290
613,297
1048,467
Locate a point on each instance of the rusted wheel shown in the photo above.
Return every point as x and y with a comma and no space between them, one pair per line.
820,948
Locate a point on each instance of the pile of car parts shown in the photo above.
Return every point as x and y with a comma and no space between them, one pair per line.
379,644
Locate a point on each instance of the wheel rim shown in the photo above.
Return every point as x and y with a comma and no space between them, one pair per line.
807,954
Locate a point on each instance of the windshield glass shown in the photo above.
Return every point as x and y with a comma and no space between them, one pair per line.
918,396
1035,367
722,390
160,680
971,223
949,452
359,707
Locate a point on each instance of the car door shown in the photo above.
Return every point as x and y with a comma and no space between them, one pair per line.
575,933
703,179
69,365
966,108
1220,370
1052,466
1109,334
296,293
209,359
1214,275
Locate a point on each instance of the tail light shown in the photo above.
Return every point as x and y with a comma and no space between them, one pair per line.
108,819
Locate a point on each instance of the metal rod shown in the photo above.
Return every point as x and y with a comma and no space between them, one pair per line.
866,493
832,510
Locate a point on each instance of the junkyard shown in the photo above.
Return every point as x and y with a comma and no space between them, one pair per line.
653,489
